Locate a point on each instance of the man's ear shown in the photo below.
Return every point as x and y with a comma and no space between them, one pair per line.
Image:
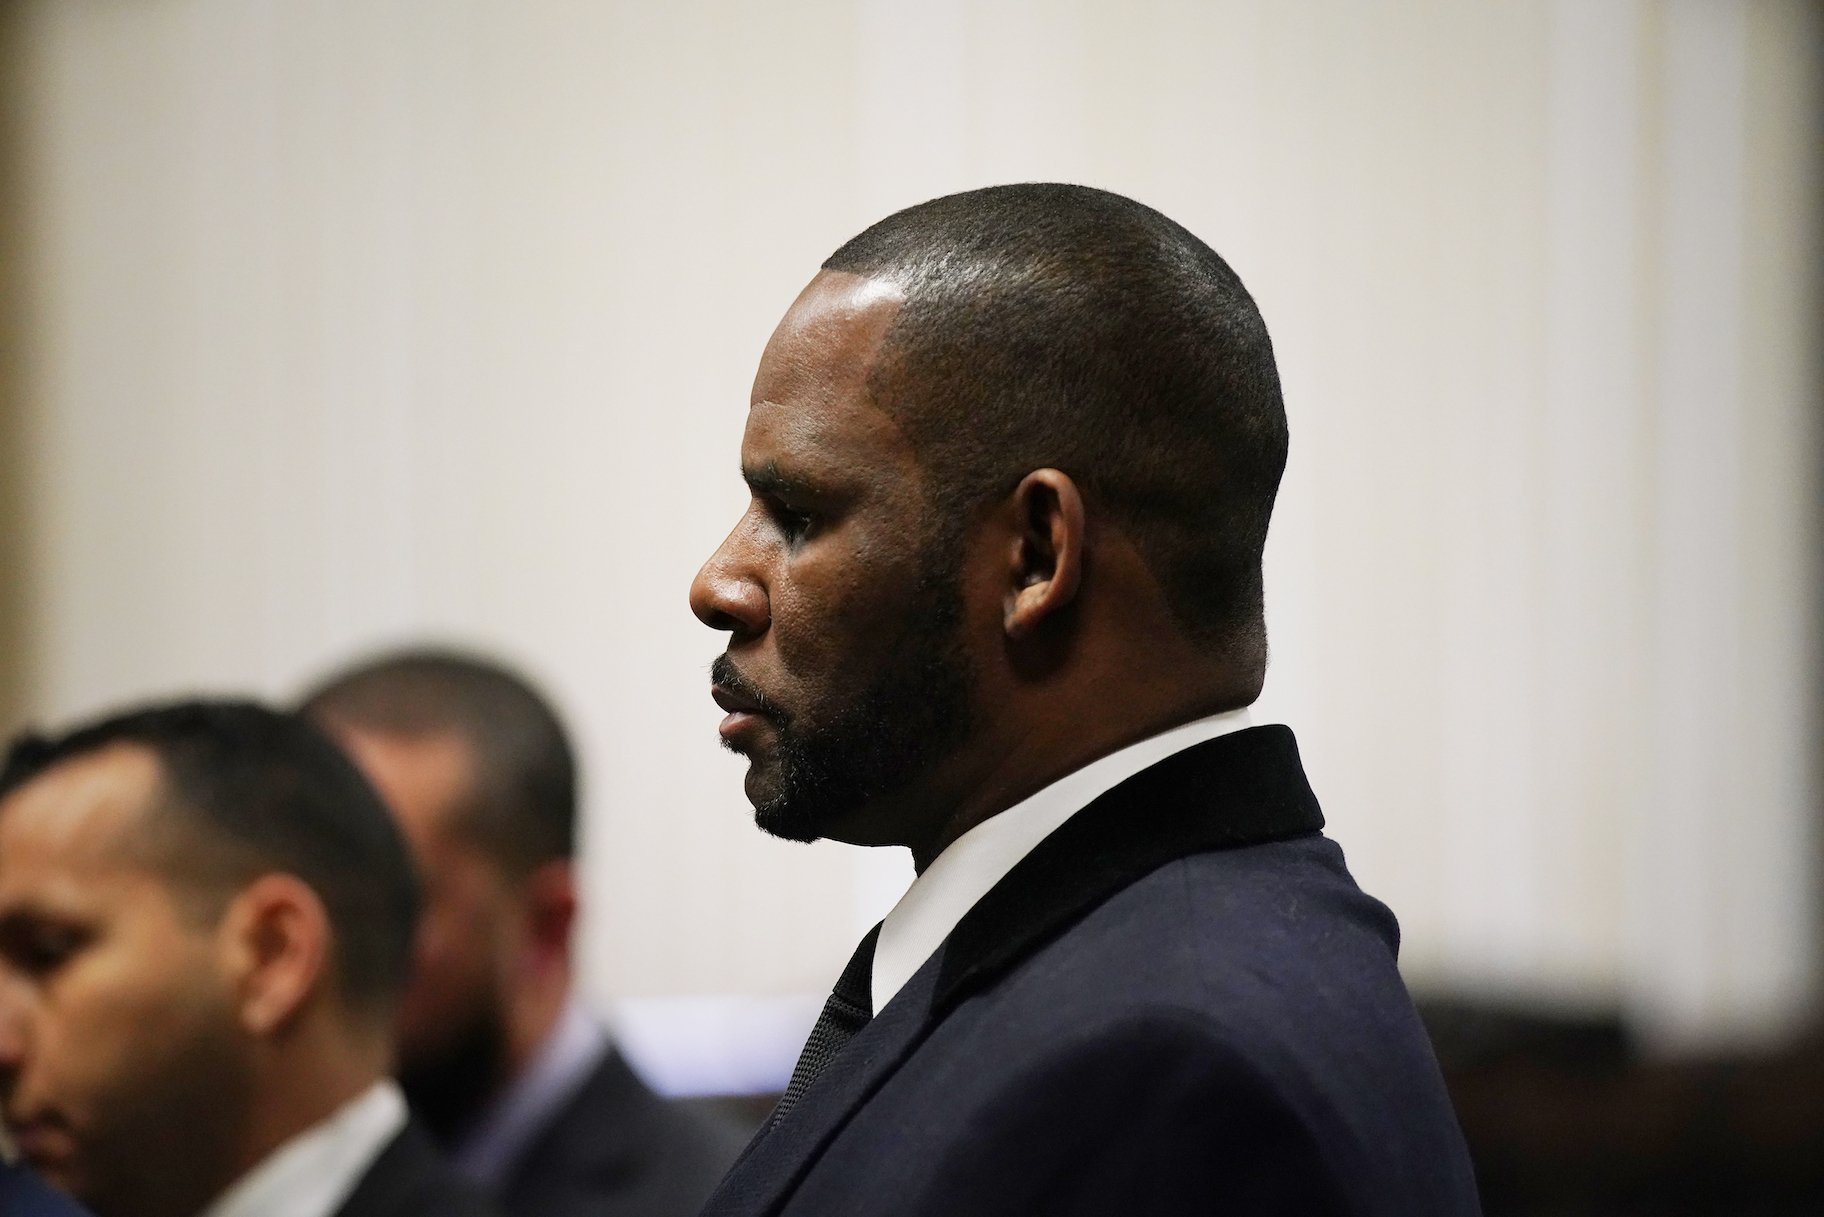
550,904
1046,557
276,938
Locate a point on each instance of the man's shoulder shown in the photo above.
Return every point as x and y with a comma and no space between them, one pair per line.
617,1149
1230,1020
1270,939
410,1178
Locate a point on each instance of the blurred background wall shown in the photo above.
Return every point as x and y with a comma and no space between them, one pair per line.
339,324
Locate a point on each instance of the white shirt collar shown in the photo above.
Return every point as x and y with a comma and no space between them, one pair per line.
981,857
314,1172
564,1061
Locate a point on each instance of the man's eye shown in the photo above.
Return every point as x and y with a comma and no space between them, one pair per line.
794,525
41,953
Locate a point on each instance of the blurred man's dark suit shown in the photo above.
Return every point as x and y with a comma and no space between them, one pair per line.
23,1194
1178,1003
409,1178
616,1149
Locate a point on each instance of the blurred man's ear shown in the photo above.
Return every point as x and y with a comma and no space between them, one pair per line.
276,941
550,904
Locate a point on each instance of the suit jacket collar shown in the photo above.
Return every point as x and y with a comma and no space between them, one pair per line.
1241,789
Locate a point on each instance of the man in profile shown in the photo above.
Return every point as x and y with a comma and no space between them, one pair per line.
518,1082
205,918
997,598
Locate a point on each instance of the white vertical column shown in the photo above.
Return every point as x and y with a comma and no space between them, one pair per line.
1690,891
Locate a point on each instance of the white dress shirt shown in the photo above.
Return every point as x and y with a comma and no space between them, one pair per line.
314,1172
981,857
570,1053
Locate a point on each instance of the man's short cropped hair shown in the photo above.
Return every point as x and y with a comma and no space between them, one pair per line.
246,790
1063,326
522,809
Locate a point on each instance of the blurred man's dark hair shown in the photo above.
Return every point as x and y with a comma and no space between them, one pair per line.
522,808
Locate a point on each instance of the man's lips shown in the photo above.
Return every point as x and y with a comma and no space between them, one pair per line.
43,1143
744,713
733,702
746,706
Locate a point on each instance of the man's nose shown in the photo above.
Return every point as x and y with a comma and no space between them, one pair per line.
725,595
13,1033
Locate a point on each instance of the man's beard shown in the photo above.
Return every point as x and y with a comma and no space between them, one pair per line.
167,1139
912,716
448,1090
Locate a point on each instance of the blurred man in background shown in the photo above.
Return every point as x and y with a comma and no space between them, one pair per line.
997,598
205,920
515,1078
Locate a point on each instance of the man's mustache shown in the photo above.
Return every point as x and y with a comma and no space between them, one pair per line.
724,673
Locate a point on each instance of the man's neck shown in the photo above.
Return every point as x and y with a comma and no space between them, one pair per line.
305,1081
493,1143
533,1012
1057,742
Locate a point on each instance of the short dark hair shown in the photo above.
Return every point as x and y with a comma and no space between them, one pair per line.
522,809
1063,326
247,790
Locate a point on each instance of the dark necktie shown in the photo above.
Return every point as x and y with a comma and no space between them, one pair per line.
850,1006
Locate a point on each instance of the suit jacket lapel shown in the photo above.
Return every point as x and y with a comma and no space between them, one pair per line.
1245,788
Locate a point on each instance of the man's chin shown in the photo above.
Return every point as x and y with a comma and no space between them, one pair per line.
775,814
786,825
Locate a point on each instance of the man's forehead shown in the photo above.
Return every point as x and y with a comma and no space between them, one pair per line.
838,299
422,776
84,803
827,341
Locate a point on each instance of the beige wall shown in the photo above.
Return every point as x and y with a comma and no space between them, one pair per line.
364,321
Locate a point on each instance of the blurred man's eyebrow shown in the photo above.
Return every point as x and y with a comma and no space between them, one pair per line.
18,920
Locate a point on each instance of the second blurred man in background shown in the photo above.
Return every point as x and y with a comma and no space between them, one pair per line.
498,1058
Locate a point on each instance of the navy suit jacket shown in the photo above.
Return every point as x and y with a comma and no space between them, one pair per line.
23,1194
619,1150
1178,1003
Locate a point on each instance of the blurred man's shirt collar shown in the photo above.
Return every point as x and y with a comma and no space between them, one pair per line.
490,1151
314,1172
981,857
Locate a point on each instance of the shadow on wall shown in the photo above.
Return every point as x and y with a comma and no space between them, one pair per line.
15,571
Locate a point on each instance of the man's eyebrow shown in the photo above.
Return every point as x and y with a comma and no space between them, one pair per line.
767,479
14,921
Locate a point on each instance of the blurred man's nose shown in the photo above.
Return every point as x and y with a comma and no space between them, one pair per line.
13,1030
725,595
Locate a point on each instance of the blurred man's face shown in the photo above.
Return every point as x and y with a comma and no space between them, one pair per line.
845,676
452,1021
123,1070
